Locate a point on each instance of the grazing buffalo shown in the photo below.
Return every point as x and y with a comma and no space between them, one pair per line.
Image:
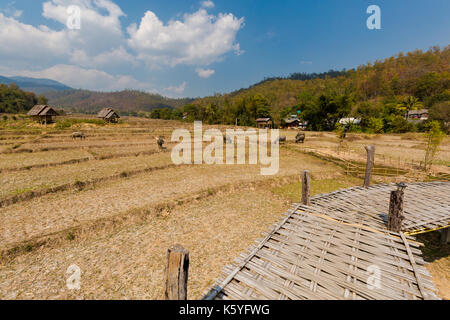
300,137
280,140
80,135
227,139
160,142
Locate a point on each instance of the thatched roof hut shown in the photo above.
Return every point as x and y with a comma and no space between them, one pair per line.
264,123
43,113
108,115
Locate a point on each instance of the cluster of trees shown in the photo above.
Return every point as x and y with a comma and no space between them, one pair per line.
15,100
244,111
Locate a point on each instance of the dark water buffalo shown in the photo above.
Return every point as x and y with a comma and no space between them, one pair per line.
300,137
227,139
280,140
80,135
160,142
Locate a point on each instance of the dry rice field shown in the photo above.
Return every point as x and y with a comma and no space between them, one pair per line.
114,203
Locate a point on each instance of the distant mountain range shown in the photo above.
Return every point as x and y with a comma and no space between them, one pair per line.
126,101
65,97
37,86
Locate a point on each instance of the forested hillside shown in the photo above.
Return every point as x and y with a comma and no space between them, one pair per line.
376,92
15,100
126,102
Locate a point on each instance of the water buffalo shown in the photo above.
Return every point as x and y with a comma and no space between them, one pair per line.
227,139
80,135
280,140
300,137
160,142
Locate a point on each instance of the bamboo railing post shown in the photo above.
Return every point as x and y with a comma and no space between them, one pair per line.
369,166
396,217
306,181
176,273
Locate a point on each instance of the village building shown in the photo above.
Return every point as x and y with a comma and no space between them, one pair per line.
346,121
418,114
292,123
109,115
264,123
42,113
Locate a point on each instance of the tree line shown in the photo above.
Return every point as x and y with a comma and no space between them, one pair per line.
380,94
15,100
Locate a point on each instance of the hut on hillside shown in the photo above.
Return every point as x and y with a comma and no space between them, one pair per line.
418,114
42,113
109,115
264,123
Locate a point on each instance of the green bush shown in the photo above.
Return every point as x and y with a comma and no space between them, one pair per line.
375,125
67,123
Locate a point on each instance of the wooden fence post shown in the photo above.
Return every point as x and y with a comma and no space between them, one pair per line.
396,216
369,165
306,181
177,273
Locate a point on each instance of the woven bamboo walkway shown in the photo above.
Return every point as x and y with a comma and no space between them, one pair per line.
339,247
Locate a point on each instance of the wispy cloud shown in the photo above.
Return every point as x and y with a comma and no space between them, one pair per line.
207,4
204,73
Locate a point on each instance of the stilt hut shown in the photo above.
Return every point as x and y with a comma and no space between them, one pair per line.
42,113
109,115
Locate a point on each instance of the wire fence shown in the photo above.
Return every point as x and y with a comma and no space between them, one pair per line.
386,168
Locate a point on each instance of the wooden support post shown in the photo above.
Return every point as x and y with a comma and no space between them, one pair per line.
177,273
396,216
306,181
369,165
445,235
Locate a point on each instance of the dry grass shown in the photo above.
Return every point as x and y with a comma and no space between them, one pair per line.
59,211
118,231
391,148
44,178
18,160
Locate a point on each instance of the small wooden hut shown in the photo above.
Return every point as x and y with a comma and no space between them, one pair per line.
109,115
292,123
42,113
264,123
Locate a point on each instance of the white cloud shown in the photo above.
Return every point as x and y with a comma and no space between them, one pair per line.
207,4
113,58
98,32
10,10
87,78
17,13
17,38
204,73
199,39
176,89
100,54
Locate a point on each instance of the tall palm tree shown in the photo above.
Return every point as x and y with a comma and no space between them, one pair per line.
408,104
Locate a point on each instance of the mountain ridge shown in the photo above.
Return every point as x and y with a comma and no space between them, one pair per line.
35,85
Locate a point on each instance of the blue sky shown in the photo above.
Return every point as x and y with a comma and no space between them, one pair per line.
198,48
